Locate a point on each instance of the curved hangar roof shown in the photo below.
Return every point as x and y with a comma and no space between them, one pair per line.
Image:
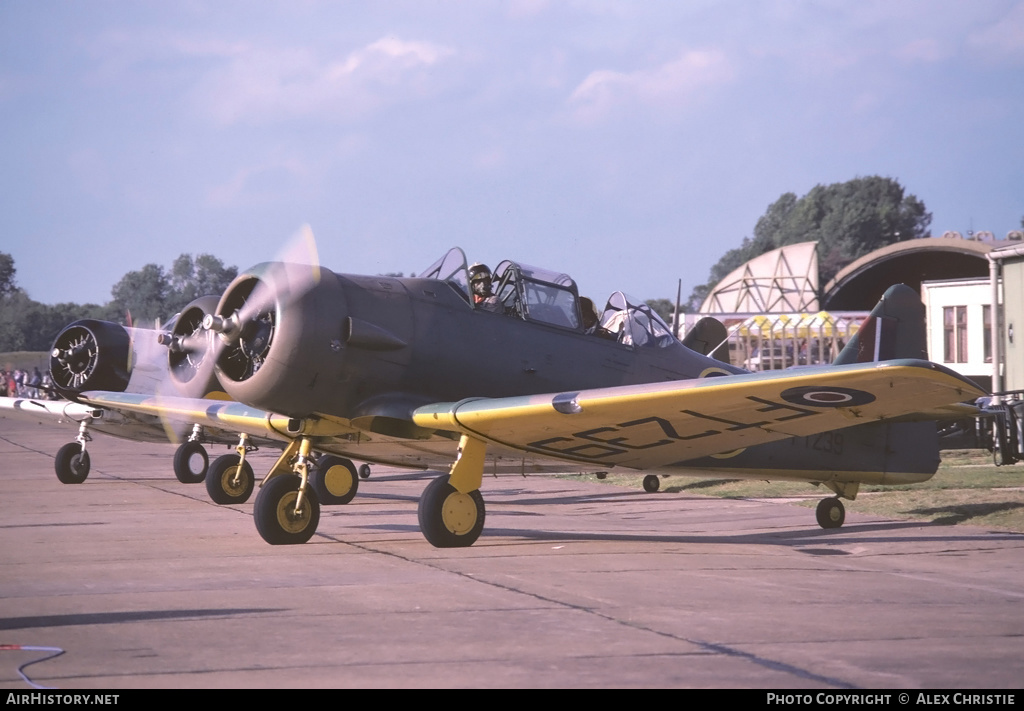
860,285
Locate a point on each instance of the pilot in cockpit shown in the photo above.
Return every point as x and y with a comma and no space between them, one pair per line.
480,283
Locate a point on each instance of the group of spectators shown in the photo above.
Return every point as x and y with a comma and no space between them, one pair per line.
22,383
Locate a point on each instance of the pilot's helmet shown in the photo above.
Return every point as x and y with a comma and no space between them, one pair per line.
480,279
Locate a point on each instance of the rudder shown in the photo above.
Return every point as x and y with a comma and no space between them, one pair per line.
894,329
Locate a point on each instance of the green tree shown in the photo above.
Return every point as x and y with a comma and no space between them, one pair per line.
7,271
152,293
191,278
847,220
13,308
143,293
662,307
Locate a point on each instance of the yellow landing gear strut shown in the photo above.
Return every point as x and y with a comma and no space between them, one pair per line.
451,510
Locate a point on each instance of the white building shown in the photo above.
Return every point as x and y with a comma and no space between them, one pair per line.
958,314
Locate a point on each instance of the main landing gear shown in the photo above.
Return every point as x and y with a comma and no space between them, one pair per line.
191,460
449,518
651,483
72,461
230,479
335,480
287,510
451,510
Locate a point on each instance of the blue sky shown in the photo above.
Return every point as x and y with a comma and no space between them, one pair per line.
628,144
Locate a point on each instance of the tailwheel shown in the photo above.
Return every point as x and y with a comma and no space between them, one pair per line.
335,480
230,481
191,462
830,513
651,483
364,471
278,520
71,463
449,518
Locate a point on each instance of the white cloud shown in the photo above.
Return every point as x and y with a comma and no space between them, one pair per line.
672,85
1003,38
268,85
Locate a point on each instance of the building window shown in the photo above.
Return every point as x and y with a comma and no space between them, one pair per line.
986,317
954,324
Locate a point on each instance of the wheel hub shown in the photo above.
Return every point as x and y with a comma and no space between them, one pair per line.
232,483
459,513
288,518
338,480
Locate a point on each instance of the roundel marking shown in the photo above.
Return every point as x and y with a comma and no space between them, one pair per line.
826,396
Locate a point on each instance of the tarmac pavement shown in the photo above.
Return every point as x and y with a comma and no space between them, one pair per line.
145,583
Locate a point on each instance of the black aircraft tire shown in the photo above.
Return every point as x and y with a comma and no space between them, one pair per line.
274,512
186,457
225,484
335,480
651,483
449,519
830,513
364,471
71,464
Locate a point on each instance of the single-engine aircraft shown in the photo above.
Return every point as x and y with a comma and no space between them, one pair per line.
415,372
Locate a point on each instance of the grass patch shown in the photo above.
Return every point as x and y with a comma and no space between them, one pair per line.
967,489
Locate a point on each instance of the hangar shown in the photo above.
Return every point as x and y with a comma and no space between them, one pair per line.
860,285
783,284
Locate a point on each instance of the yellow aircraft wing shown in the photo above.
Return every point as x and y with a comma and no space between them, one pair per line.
224,415
645,426
656,425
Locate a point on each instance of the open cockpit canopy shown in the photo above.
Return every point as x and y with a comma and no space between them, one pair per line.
633,323
543,296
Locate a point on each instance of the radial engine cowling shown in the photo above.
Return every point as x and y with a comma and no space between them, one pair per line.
190,351
91,355
281,332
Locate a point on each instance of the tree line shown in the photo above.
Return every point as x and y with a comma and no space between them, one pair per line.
140,297
848,220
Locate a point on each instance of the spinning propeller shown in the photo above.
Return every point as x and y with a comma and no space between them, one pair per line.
236,333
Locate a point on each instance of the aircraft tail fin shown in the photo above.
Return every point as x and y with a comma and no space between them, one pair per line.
894,329
708,337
